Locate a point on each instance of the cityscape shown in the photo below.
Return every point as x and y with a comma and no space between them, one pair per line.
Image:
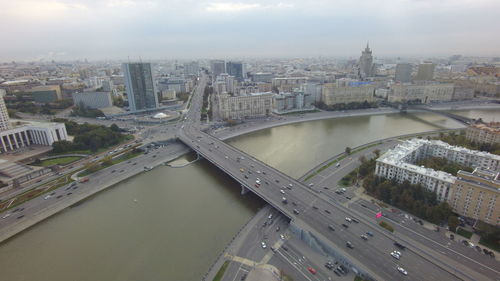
189,152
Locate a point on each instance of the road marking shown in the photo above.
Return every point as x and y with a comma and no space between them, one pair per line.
293,264
241,260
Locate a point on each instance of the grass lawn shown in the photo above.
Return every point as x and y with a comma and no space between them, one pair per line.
221,271
489,244
464,233
59,161
124,157
386,226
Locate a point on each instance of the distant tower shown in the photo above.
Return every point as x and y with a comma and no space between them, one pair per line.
425,71
366,63
403,72
4,114
141,89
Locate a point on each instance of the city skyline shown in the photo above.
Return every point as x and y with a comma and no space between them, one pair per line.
117,29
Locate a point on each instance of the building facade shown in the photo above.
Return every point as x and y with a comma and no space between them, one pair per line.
45,94
287,84
140,87
4,114
484,133
217,67
32,133
236,69
461,192
425,93
240,107
425,71
334,94
403,72
290,102
93,99
366,63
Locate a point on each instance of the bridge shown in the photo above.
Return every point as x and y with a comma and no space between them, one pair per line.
461,119
318,222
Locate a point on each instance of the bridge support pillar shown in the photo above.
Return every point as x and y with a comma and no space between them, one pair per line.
244,190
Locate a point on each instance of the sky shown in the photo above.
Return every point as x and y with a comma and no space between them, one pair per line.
183,29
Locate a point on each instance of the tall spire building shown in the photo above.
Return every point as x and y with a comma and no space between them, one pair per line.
366,63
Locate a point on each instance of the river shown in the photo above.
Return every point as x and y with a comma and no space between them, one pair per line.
183,217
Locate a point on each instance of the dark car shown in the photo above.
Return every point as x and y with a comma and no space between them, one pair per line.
349,245
345,225
20,217
295,211
331,228
327,211
399,245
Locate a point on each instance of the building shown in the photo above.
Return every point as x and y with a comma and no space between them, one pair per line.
93,99
475,195
236,69
224,83
484,133
168,94
290,102
312,92
240,107
191,68
287,84
425,71
4,114
424,93
217,67
32,133
366,63
45,94
334,93
461,192
140,87
266,77
403,72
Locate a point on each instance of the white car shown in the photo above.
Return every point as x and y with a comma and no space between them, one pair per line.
402,270
263,244
348,219
258,172
282,237
46,197
311,184
6,216
282,191
396,255
270,216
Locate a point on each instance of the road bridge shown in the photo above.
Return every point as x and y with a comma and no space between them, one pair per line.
461,119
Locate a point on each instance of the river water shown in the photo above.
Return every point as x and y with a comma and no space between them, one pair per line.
184,217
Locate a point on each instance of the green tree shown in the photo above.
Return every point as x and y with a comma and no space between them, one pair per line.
348,150
377,153
453,223
107,161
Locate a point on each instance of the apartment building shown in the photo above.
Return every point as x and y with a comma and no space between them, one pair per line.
484,133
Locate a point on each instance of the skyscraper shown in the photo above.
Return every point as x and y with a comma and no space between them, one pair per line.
217,67
4,114
141,89
235,69
366,63
425,71
403,72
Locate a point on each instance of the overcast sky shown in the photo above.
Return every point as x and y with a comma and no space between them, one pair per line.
167,29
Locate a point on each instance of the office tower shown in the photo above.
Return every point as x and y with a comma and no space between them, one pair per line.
366,63
217,67
4,114
425,71
191,68
141,89
235,69
403,72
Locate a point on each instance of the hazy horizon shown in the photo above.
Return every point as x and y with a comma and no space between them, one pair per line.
151,29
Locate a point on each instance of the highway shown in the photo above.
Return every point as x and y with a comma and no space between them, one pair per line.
310,211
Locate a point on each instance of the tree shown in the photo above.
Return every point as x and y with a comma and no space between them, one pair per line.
114,128
62,146
92,167
453,223
107,161
377,153
348,150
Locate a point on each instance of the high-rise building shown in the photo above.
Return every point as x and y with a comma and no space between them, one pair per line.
141,89
217,67
235,69
191,68
425,71
4,114
403,72
366,63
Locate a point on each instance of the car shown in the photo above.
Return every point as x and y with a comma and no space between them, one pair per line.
258,172
348,219
325,187
311,184
264,173
69,193
246,177
369,233
312,270
270,216
364,237
348,198
399,245
283,200
134,164
337,272
243,277
282,191
295,211
263,245
59,196
242,170
278,228
331,227
396,255
113,171
452,237
349,245
20,217
277,180
354,220
257,185
329,265
402,270
6,216
345,225
290,185
315,207
16,210
46,197
282,237
337,165
328,212
121,171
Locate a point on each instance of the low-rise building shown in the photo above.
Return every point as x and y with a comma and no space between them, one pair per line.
93,99
425,93
32,133
46,94
334,93
240,107
290,102
484,133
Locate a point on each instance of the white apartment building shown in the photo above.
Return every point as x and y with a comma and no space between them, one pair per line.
4,114
398,164
224,83
334,93
239,107
93,99
425,93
